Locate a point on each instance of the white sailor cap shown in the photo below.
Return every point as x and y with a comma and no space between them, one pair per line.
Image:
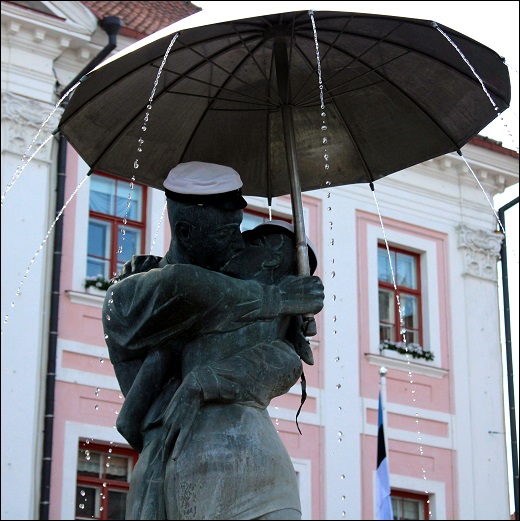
209,184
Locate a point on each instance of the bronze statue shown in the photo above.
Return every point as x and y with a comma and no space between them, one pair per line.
199,354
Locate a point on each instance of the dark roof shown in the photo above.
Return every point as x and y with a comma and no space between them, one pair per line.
143,18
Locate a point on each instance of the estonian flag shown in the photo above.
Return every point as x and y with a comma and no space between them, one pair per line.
383,500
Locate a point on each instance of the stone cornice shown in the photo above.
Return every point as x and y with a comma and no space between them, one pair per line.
481,250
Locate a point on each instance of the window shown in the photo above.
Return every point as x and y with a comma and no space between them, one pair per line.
406,271
116,224
253,218
406,505
103,481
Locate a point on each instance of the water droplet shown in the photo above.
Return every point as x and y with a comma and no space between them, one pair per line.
343,513
143,128
343,498
340,408
140,141
136,164
107,465
340,440
96,407
329,208
340,433
325,140
338,386
82,492
97,392
277,421
101,360
123,231
327,166
119,250
333,274
342,476
139,149
336,359
333,298
328,183
12,304
104,484
149,107
334,318
323,114
146,116
324,127
332,242
81,506
106,336
108,317
101,509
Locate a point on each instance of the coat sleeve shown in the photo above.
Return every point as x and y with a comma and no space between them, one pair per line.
146,310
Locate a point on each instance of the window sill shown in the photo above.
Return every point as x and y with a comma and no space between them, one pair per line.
396,361
90,297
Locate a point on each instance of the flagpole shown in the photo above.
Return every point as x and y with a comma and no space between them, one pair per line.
382,381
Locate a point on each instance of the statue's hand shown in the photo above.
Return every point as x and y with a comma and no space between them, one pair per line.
180,415
301,295
138,264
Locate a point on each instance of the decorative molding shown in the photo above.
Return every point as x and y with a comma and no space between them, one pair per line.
86,299
406,366
21,119
481,250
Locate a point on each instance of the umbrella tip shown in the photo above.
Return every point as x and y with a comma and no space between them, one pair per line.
435,25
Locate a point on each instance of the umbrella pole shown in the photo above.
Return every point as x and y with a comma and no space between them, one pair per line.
302,252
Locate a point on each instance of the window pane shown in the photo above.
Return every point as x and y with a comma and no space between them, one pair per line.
117,468
386,315
102,191
116,504
97,267
89,463
386,306
98,238
383,265
87,502
406,271
129,208
409,311
251,220
131,245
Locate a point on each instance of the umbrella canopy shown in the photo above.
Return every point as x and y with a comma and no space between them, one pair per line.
395,91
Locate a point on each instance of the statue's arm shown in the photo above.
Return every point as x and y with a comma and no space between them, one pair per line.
149,308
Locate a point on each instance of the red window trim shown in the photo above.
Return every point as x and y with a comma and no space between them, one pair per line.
406,291
102,482
117,222
412,495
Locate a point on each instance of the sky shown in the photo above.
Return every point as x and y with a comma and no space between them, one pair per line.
494,24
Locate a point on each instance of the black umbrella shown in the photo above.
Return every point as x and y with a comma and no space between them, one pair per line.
246,94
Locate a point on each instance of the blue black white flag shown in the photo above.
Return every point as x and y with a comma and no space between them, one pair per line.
383,500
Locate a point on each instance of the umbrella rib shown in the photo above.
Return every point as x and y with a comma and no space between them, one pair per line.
189,140
404,93
159,95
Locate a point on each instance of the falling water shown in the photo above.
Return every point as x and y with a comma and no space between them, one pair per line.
24,161
158,227
402,331
140,141
19,290
497,110
324,142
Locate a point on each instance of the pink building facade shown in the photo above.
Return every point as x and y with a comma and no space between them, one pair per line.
443,416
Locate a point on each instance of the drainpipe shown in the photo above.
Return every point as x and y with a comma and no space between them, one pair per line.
509,356
111,25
